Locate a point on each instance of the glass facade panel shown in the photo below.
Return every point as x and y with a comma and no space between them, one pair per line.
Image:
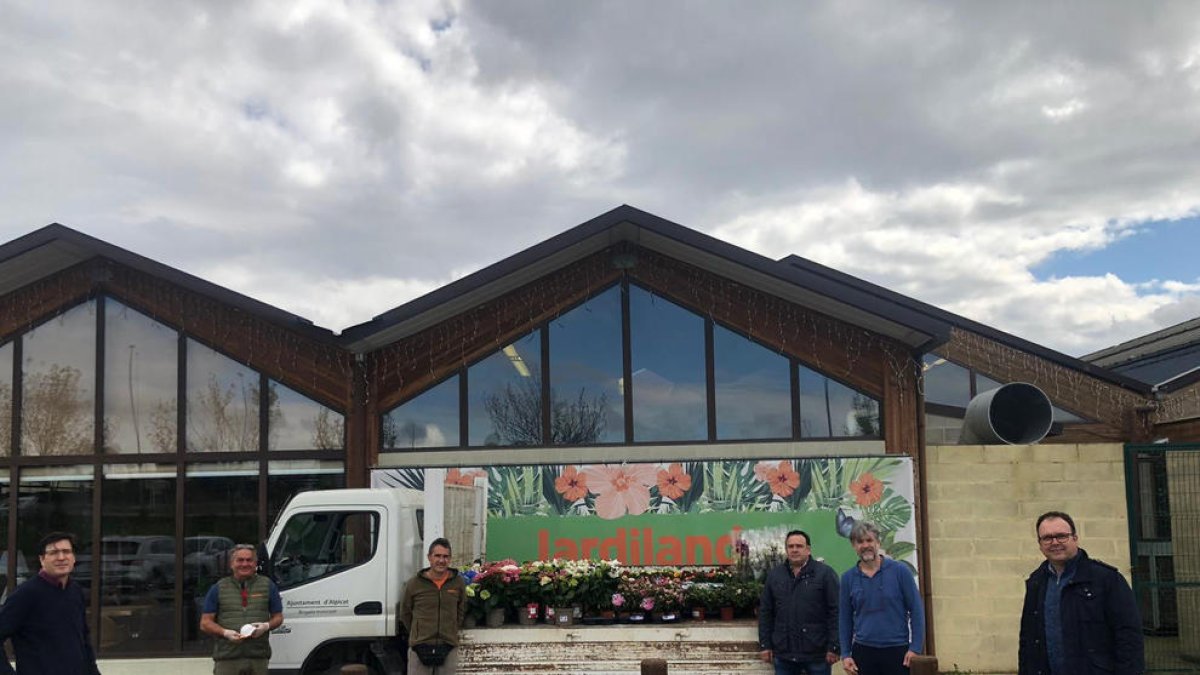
286,478
222,403
753,389
222,502
56,499
984,383
428,421
945,382
814,411
22,566
296,422
59,385
137,545
667,352
141,375
504,400
587,404
852,413
6,392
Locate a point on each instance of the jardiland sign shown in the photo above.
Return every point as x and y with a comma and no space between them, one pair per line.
692,513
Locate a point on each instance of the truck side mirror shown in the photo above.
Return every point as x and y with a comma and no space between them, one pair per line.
265,567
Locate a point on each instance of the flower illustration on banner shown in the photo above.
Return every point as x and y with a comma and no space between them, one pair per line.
571,484
621,488
461,477
781,478
673,481
867,489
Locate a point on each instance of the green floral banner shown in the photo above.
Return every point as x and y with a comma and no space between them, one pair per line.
691,513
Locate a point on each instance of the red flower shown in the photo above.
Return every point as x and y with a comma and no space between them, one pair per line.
571,484
867,489
673,481
783,480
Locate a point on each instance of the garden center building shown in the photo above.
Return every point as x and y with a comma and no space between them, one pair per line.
163,418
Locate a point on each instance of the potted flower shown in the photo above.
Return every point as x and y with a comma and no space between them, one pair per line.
699,596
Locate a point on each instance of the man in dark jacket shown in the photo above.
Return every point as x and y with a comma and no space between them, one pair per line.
798,612
45,617
1080,615
432,608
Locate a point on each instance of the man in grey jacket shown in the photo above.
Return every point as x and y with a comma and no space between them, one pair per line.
798,612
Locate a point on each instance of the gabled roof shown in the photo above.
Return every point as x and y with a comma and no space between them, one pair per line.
1167,358
846,302
54,248
816,270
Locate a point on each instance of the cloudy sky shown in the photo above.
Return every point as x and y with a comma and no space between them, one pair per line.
1034,166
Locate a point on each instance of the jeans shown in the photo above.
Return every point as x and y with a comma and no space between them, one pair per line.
786,667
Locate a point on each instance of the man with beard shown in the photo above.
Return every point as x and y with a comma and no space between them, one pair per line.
882,620
1080,615
797,618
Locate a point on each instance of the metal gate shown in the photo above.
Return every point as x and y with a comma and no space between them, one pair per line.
1163,487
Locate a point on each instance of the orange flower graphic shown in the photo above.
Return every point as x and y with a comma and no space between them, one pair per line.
571,484
867,489
620,488
460,477
783,479
673,481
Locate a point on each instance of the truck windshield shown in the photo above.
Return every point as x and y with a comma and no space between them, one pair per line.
318,544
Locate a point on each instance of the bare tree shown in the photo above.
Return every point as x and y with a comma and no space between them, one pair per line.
328,430
55,417
516,415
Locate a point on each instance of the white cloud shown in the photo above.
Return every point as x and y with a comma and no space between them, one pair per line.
337,159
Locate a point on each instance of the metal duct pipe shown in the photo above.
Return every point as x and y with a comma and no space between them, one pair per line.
1016,413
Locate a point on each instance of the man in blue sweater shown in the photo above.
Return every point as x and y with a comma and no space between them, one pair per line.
881,620
45,617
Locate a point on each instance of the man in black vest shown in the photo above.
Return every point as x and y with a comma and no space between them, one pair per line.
240,610
45,617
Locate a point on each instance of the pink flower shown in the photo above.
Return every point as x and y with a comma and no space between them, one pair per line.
647,603
618,600
621,488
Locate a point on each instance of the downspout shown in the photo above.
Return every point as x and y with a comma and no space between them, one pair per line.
923,531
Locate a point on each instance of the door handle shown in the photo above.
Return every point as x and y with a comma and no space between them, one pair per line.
282,630
368,608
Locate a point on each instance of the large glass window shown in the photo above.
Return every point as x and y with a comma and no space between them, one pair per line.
852,413
814,408
505,400
59,384
427,421
140,382
946,383
56,499
222,501
22,566
296,422
6,392
137,545
587,404
667,352
222,402
753,389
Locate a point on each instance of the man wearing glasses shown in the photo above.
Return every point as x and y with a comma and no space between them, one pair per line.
45,616
240,610
1080,615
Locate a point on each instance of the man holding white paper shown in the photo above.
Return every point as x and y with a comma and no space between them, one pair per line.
240,610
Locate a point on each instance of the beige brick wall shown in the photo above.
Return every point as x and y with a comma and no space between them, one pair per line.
982,504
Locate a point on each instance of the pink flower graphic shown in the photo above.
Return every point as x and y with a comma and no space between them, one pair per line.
621,488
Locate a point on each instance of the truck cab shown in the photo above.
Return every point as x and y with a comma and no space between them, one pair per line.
341,559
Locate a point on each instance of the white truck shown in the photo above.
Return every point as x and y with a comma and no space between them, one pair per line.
341,559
